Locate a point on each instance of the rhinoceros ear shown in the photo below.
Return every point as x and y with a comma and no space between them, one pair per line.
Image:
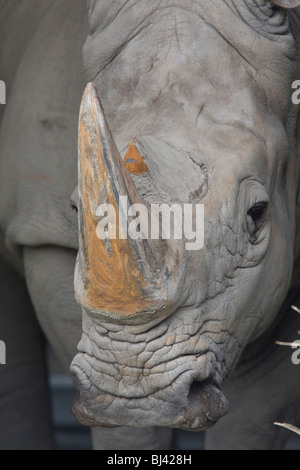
286,3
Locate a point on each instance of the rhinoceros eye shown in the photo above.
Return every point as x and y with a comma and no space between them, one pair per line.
257,216
74,206
257,212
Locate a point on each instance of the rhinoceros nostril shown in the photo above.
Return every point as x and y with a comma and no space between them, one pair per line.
206,404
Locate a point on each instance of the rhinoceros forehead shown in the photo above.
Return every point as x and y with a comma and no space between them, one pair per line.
210,33
161,67
172,38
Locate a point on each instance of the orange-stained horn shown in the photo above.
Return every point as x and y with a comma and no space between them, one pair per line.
112,277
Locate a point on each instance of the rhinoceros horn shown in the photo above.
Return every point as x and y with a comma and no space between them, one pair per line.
119,278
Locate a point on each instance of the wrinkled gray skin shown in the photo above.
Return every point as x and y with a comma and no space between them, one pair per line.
212,79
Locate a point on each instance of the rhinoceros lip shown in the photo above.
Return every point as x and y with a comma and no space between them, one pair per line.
81,412
206,404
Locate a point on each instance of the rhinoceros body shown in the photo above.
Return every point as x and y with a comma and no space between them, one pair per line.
170,336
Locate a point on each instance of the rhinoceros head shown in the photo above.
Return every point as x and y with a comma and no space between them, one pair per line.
165,320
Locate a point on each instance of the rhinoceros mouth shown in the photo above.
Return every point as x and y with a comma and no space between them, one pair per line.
203,407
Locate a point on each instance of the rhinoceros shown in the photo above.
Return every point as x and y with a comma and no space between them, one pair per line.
195,109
